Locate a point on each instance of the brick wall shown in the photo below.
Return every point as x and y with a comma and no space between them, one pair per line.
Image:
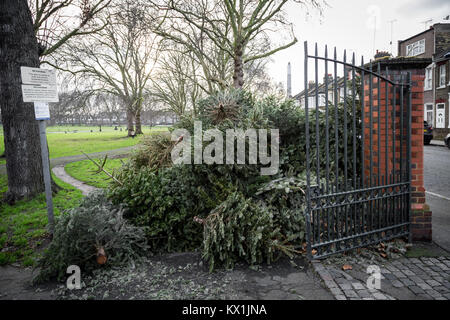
421,215
392,153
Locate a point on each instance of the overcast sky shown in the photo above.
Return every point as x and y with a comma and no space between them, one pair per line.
349,24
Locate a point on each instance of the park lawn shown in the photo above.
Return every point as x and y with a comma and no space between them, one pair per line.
71,144
23,225
63,145
145,129
85,171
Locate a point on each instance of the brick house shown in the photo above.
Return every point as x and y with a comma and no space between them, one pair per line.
442,93
433,43
321,92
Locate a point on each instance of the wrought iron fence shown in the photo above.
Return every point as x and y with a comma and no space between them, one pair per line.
358,190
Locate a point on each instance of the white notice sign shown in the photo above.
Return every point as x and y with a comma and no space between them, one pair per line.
39,93
38,76
41,111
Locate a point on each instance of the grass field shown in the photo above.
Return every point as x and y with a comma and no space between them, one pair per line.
70,144
54,129
85,171
23,226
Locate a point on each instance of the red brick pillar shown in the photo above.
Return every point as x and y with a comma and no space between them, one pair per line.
421,227
383,168
420,212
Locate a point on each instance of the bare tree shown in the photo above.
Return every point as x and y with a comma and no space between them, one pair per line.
57,21
178,84
231,25
112,106
194,67
65,109
120,58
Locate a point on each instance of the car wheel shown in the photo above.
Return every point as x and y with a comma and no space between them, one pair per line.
427,142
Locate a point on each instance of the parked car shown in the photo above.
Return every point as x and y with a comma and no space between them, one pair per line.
447,140
427,133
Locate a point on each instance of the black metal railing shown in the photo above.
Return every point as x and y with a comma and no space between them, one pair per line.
356,196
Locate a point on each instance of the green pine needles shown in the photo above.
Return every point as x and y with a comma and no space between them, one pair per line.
81,231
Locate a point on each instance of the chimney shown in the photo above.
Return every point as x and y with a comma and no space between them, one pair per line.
330,78
311,85
289,81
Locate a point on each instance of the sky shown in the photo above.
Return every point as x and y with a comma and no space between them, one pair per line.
360,26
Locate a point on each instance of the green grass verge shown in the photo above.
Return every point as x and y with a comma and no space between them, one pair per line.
71,144
23,226
63,145
430,250
85,171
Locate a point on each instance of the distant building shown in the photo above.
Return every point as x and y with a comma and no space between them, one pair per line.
321,93
433,43
441,89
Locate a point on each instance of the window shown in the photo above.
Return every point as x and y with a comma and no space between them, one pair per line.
429,78
440,115
429,114
322,100
416,48
442,75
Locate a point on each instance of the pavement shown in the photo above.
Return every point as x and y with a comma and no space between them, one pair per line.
178,276
185,276
424,278
65,160
15,284
80,185
438,143
58,165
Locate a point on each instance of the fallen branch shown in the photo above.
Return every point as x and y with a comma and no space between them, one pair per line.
101,167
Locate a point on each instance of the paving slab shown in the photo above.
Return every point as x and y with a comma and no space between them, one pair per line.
401,284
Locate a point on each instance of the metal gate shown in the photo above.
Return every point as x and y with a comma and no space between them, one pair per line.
358,151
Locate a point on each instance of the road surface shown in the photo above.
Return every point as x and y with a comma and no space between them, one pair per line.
437,184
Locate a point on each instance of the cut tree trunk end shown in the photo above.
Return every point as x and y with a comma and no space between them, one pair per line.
101,256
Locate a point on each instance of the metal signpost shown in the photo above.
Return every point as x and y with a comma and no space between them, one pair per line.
39,86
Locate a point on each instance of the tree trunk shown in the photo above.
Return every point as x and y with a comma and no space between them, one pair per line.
138,122
21,131
130,122
238,75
